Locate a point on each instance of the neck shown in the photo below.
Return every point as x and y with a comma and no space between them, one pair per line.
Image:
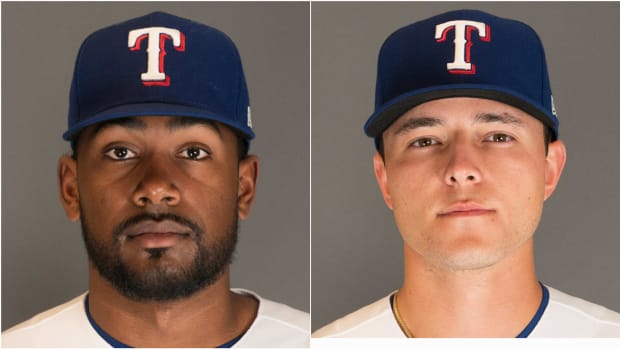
208,318
495,301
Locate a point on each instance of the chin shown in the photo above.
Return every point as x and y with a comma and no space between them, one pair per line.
464,254
470,260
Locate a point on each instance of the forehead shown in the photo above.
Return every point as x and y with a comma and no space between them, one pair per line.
465,110
145,124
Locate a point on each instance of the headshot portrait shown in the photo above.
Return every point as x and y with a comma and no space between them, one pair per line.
463,170
156,181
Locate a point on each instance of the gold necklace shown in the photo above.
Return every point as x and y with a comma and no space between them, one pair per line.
399,319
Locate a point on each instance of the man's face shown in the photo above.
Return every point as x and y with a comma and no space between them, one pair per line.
466,179
159,199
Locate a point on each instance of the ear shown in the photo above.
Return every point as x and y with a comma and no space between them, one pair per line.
382,180
556,158
248,174
68,184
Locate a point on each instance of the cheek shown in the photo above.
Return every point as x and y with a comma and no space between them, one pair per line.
519,177
411,181
103,206
216,183
413,189
101,183
518,187
211,193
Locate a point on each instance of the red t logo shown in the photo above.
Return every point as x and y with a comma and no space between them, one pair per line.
156,38
462,43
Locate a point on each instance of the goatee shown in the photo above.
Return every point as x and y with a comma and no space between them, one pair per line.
161,282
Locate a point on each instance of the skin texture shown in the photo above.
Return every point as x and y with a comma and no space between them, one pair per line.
158,166
466,179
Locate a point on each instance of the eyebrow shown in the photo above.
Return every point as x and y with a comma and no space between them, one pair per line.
427,121
131,123
414,123
178,123
503,118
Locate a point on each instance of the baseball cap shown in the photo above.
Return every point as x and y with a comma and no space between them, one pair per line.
463,53
158,65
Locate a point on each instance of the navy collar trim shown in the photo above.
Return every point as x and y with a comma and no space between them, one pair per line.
118,344
103,334
539,313
532,324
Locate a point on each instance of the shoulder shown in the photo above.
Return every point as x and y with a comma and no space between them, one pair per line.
63,325
373,320
567,315
276,325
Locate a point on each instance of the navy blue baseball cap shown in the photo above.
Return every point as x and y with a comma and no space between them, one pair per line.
464,53
158,65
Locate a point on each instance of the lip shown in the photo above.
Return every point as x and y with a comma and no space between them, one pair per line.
465,209
152,234
153,228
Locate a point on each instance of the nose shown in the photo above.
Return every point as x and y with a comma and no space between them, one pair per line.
462,168
156,185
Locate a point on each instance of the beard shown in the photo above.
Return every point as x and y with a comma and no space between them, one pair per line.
161,281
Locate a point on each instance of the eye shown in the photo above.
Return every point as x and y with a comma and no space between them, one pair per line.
424,142
499,138
194,153
120,153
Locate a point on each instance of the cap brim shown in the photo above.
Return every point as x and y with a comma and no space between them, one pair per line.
155,109
381,119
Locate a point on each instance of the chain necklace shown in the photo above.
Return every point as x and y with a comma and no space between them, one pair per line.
399,319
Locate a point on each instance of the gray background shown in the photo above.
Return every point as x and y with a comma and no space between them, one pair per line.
43,259
356,249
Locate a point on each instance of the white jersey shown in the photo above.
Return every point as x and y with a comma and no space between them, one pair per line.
560,315
67,325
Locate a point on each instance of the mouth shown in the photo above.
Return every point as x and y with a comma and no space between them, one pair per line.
152,234
465,209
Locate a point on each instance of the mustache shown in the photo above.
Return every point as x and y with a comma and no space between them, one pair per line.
127,223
